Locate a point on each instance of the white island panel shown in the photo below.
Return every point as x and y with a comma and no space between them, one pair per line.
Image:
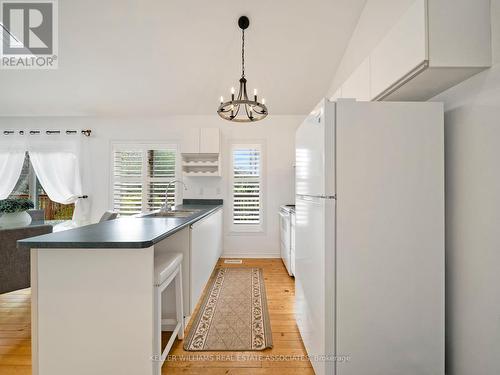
92,311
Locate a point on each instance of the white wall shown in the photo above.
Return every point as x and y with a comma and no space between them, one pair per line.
472,133
277,134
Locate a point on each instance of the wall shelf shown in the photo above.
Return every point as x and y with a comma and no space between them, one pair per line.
201,165
202,174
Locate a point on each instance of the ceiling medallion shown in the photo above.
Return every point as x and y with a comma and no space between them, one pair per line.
241,108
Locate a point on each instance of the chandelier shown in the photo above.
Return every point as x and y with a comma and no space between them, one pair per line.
240,108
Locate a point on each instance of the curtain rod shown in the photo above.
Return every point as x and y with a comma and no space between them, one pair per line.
85,132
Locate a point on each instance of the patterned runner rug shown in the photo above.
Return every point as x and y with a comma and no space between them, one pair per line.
233,315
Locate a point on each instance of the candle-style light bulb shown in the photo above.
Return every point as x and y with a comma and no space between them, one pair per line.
264,101
255,95
221,99
232,93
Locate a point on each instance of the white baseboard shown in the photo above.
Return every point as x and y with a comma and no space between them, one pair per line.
250,255
169,324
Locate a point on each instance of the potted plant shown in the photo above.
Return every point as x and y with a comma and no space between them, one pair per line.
14,213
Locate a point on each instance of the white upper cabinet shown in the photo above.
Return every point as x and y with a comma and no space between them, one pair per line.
201,141
191,141
401,51
209,141
357,85
435,45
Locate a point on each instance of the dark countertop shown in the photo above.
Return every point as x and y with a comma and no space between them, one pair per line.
129,233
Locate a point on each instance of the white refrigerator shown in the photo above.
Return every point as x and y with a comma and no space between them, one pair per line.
369,267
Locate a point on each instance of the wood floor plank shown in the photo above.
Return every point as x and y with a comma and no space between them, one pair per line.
15,370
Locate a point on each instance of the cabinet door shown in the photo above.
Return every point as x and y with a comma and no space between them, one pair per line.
206,248
209,141
357,85
191,141
402,51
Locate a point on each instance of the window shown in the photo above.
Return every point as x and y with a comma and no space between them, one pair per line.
140,177
246,187
29,187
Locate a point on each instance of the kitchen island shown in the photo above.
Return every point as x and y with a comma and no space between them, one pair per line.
93,292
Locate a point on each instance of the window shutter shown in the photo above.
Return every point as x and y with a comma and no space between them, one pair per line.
141,176
246,185
127,187
161,170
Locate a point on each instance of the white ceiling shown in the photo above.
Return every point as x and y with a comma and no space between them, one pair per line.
174,57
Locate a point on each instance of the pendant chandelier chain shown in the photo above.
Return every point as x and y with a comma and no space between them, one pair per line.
243,53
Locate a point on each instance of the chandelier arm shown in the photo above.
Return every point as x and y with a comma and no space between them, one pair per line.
245,95
248,115
240,91
237,110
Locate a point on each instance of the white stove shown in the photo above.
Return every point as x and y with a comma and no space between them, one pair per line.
287,237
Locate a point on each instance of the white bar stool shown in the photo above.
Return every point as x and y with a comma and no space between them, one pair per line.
167,268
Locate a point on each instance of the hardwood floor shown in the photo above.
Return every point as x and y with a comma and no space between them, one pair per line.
288,355
15,332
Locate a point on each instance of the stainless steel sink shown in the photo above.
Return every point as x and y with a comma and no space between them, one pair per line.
172,213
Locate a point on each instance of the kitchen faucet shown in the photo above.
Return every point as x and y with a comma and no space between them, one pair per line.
166,206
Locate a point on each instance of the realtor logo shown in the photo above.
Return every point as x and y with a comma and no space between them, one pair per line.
29,39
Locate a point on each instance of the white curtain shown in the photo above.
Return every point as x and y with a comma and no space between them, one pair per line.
57,166
11,165
12,153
